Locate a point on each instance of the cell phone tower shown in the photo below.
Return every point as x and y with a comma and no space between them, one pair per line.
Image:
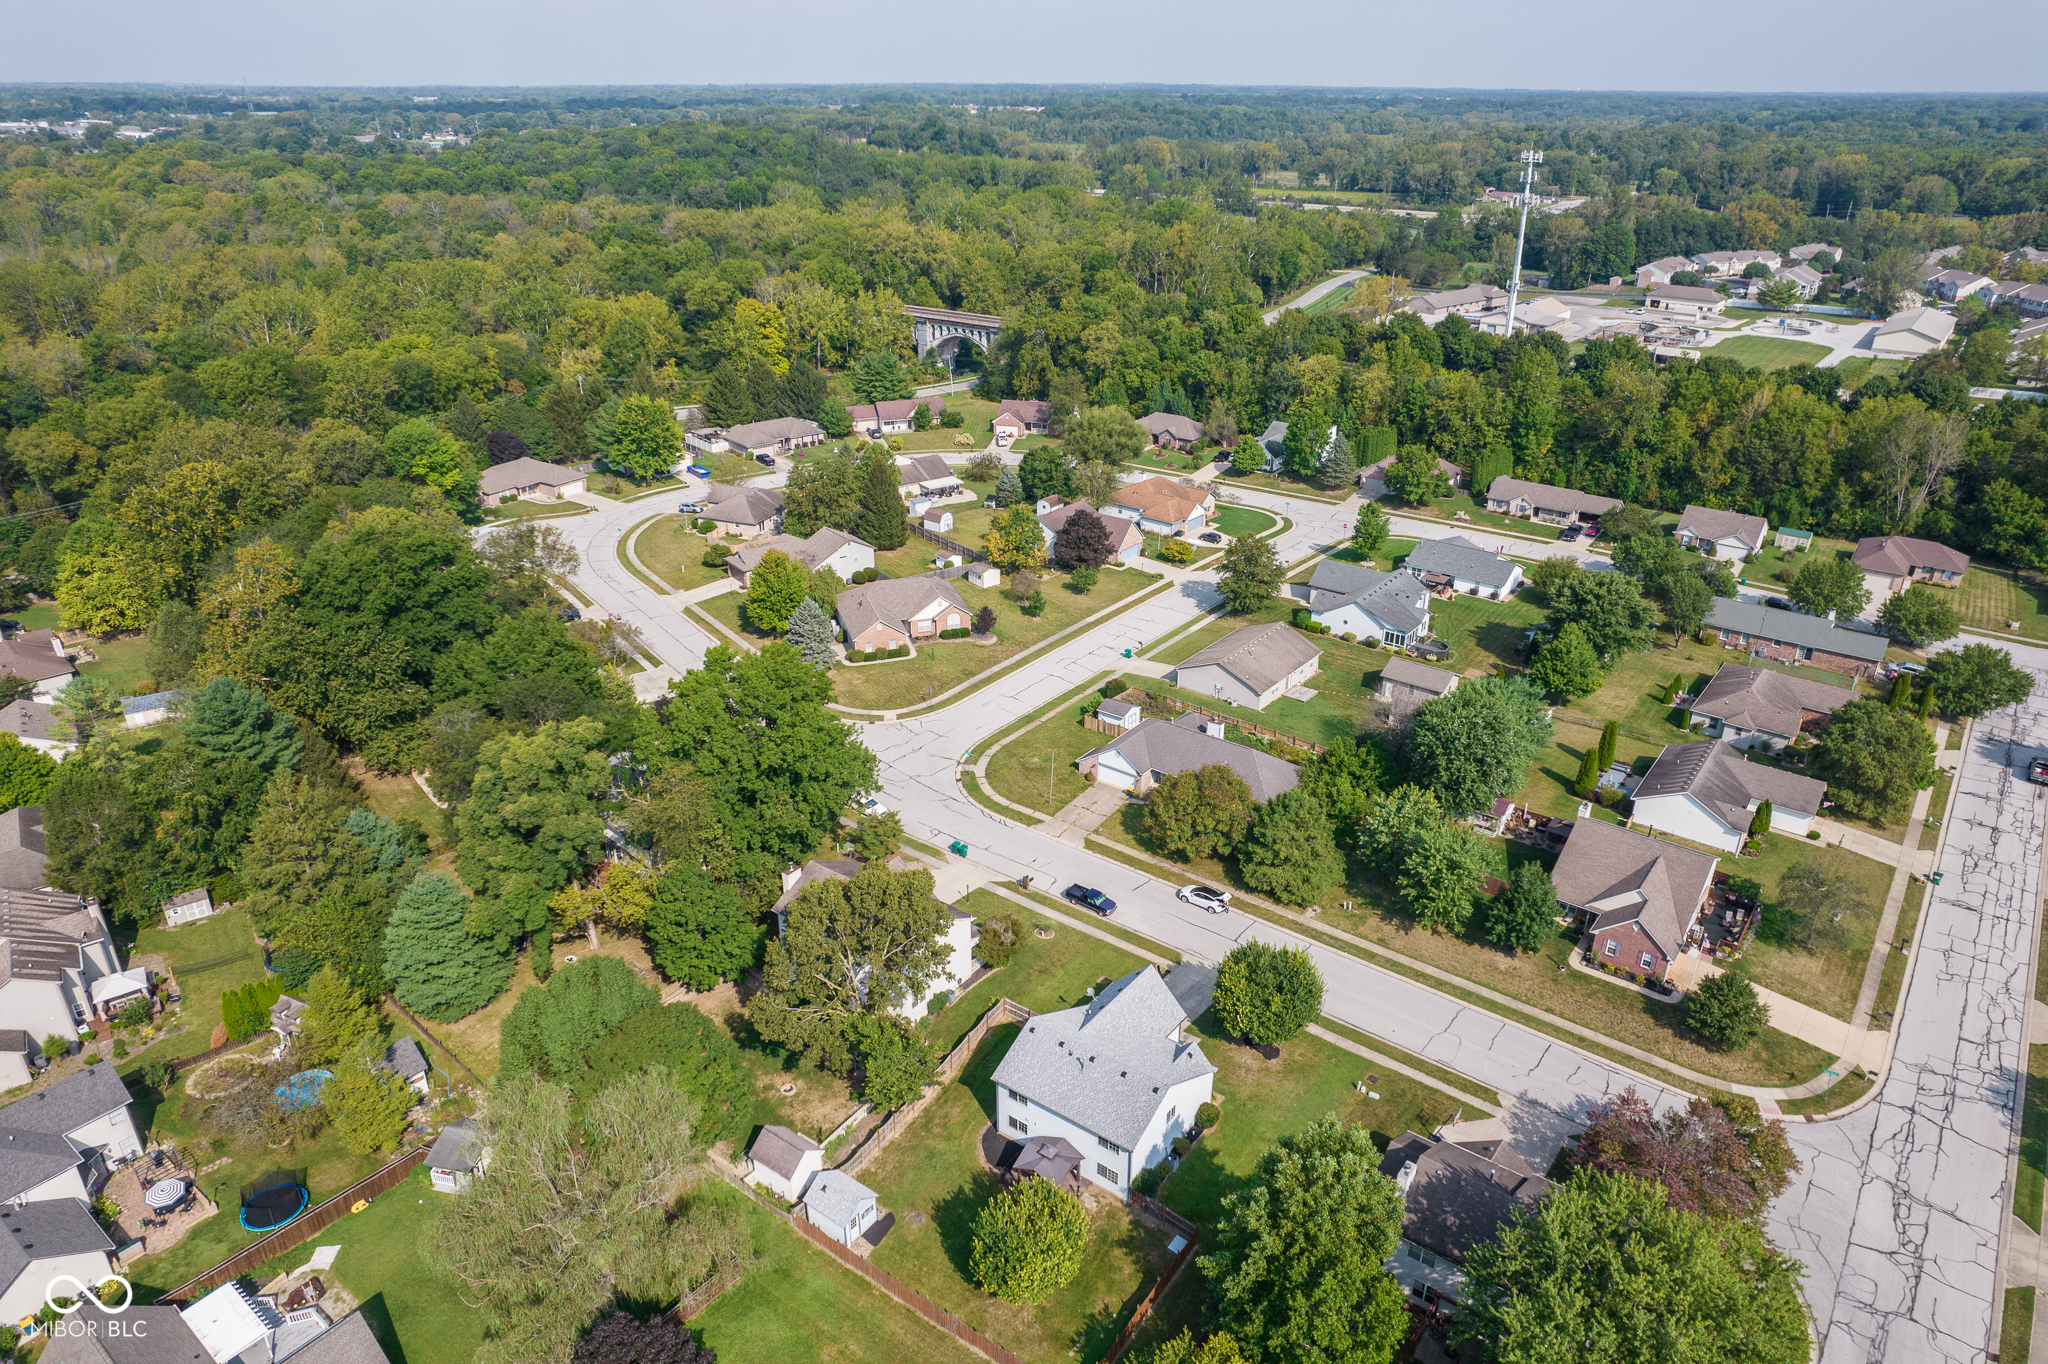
1530,161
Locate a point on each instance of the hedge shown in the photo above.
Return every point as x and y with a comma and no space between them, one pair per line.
961,633
877,655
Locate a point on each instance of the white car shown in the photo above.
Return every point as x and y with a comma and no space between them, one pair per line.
1205,897
872,806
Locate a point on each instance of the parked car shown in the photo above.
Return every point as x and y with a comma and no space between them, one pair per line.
2037,771
698,471
872,806
1892,670
691,509
1780,603
1205,897
768,460
570,613
1210,537
1090,898
1570,533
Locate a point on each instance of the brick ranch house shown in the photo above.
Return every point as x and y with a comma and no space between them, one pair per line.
897,611
1636,897
1795,637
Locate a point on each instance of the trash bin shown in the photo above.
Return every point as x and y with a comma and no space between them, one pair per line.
959,848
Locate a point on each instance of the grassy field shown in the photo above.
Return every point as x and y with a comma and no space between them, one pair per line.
1626,695
942,665
1894,978
1047,973
1990,598
519,510
1171,461
2026,1204
933,1179
1834,1098
1776,566
1020,769
2016,1331
675,552
1283,485
980,415
1828,982
1853,374
226,956
1238,522
123,664
1768,352
1263,1101
776,1314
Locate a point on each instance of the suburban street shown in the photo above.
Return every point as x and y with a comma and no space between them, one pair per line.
1899,1210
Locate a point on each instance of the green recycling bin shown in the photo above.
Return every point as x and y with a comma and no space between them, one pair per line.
959,848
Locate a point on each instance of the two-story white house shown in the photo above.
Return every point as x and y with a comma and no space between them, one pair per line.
58,969
1351,599
61,1142
1118,1078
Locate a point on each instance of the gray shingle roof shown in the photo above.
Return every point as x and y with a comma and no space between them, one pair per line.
891,600
744,506
1409,673
1686,293
1627,877
1712,523
810,550
348,1341
1550,497
1396,599
926,469
147,1335
524,472
1462,1193
457,1148
1793,627
27,719
69,1104
1758,698
31,1158
1117,710
404,1059
45,1230
1173,746
1897,554
845,869
1460,558
22,858
1260,656
44,932
1106,1065
760,435
1727,783
837,1197
781,1149
1172,424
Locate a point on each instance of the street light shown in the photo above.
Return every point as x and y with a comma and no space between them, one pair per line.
1530,161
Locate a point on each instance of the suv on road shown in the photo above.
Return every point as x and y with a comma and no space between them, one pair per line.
1205,897
691,509
2037,771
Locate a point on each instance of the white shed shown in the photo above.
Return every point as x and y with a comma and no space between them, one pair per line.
187,908
784,1162
841,1206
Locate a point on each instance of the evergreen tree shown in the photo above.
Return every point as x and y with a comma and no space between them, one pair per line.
879,377
810,634
465,423
299,854
1369,532
437,969
1009,487
1928,703
175,640
1339,468
1761,824
726,402
1589,774
803,390
1610,735
1901,693
226,720
1375,445
884,521
764,391
337,1018
366,1102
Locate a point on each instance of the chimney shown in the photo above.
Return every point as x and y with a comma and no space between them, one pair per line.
1406,1177
790,876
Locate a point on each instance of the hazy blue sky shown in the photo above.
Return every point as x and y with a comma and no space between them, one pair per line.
1993,45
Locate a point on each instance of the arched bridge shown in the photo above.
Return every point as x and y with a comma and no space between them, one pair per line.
943,330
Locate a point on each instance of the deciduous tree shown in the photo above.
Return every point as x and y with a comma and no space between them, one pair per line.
1029,1241
1977,679
1920,616
531,824
1266,994
1015,539
699,931
1291,852
775,589
1874,758
1083,542
1726,1011
1719,1158
1567,666
1473,746
1369,532
1609,607
1826,585
1524,916
1252,573
1200,813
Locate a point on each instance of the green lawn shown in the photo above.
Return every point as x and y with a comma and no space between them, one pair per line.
1283,485
1768,352
1828,982
675,552
1855,373
1991,597
979,413
1238,522
1172,461
1019,771
2033,1140
42,616
1484,634
1263,1101
941,665
1447,508
1047,973
1626,694
123,664
799,1306
1894,978
2016,1332
518,510
1776,566
933,1179
207,959
419,1317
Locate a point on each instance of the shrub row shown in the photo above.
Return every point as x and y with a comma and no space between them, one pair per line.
867,575
961,633
877,655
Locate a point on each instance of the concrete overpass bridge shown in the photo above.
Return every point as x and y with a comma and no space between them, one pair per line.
942,330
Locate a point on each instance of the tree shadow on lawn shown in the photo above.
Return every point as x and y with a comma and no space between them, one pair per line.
377,1313
978,1075
1502,639
953,1218
1146,1248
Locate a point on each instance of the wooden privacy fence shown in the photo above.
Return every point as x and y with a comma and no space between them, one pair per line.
952,546
908,1296
303,1228
1001,1012
1154,700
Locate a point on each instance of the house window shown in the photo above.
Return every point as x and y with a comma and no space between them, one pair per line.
1415,1253
1110,1173
1020,1098
1805,653
1417,1289
1398,641
1428,1260
1646,961
1020,1125
1613,948
1106,1144
1172,1116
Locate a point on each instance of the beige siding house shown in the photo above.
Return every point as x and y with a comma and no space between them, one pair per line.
1893,563
1252,667
529,478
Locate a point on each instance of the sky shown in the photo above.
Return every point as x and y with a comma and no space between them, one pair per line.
1738,45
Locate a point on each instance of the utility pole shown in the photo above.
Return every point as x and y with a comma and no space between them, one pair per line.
1530,161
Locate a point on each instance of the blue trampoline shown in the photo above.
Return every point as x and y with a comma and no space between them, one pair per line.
274,1199
303,1089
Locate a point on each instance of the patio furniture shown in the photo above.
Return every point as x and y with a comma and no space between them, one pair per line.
165,1194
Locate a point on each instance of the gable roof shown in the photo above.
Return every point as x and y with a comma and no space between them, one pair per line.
457,1148
743,505
1931,324
1627,877
154,1334
524,472
1812,249
1398,600
1461,1193
1549,497
1174,746
1260,656
1162,499
837,1196
781,1149
818,868
1686,293
1172,424
404,1059
1728,784
1410,673
898,409
22,854
810,550
1899,554
1123,532
1712,523
45,1230
26,719
1669,265
773,432
1378,472
1106,1065
1472,295
27,656
926,469
1029,411
893,600
349,1341
1794,627
1759,698
1460,558
1801,274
